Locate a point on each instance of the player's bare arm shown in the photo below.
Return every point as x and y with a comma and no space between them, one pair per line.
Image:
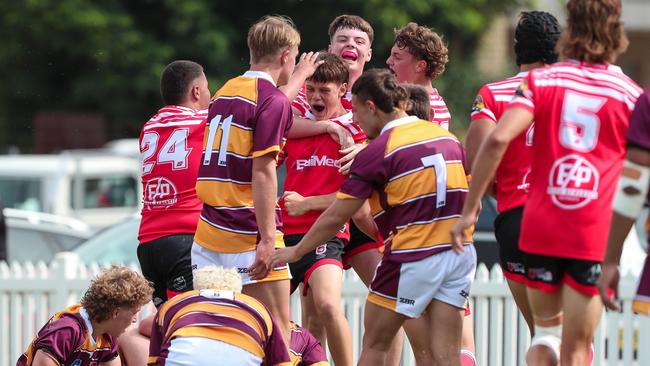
324,228
304,69
303,127
513,122
619,228
364,221
43,358
478,131
298,205
265,188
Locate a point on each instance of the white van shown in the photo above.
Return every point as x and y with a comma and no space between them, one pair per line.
93,187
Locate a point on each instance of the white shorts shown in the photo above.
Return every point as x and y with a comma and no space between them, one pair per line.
408,288
202,257
189,351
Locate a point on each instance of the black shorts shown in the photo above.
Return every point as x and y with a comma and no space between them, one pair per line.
359,242
329,253
506,230
548,274
167,263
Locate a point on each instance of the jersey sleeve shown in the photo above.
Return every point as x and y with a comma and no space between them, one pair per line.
60,339
155,342
638,135
272,123
275,352
313,354
300,102
366,173
524,95
483,107
113,353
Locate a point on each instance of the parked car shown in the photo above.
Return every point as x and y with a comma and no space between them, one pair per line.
96,188
115,244
36,236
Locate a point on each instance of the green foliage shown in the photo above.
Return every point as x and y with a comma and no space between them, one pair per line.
106,56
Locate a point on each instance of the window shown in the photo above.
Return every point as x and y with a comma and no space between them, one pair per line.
110,192
21,193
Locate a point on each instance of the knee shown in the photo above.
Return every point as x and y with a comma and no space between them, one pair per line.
328,310
380,341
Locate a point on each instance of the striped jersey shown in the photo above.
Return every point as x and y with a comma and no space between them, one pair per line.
511,177
170,146
225,316
439,110
581,114
305,350
67,337
301,104
248,118
415,178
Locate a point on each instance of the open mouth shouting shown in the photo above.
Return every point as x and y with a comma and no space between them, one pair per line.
318,108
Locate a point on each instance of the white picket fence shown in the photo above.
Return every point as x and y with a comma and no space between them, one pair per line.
31,293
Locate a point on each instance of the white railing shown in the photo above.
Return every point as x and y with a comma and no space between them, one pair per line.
31,293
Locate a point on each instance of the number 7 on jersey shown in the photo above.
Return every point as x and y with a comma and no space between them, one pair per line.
440,167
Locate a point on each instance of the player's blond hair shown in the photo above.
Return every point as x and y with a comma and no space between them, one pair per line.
116,287
270,35
217,278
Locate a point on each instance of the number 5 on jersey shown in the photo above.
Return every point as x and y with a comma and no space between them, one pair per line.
222,125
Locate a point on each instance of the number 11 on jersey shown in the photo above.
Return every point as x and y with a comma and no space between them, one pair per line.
214,125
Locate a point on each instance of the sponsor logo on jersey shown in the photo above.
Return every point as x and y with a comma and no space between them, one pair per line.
316,161
478,104
524,182
159,192
573,182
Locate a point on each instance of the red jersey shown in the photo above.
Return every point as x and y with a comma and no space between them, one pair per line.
512,174
301,104
313,170
439,110
170,144
581,113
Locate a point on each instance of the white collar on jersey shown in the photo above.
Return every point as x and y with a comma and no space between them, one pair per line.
89,326
259,74
522,74
398,122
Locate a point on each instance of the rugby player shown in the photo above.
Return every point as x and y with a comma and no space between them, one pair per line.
581,108
310,187
216,324
535,37
414,175
629,199
240,224
85,334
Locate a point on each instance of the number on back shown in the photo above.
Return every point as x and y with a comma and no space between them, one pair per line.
440,167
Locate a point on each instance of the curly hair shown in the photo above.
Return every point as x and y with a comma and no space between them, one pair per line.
424,44
217,278
381,87
535,38
116,287
594,32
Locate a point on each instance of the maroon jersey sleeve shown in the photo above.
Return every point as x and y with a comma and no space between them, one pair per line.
367,172
638,135
155,342
313,353
275,352
272,123
60,339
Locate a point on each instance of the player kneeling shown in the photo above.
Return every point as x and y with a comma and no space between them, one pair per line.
216,325
85,334
413,173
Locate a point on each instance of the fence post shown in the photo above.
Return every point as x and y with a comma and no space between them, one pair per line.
64,267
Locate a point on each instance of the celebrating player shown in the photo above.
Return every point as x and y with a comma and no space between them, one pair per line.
581,110
311,184
413,173
535,38
240,225
170,144
419,56
85,334
629,199
216,325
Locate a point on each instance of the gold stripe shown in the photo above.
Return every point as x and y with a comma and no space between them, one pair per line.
274,148
382,301
423,182
239,141
229,311
345,196
243,87
222,241
255,304
224,334
426,235
152,360
641,307
224,194
412,133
